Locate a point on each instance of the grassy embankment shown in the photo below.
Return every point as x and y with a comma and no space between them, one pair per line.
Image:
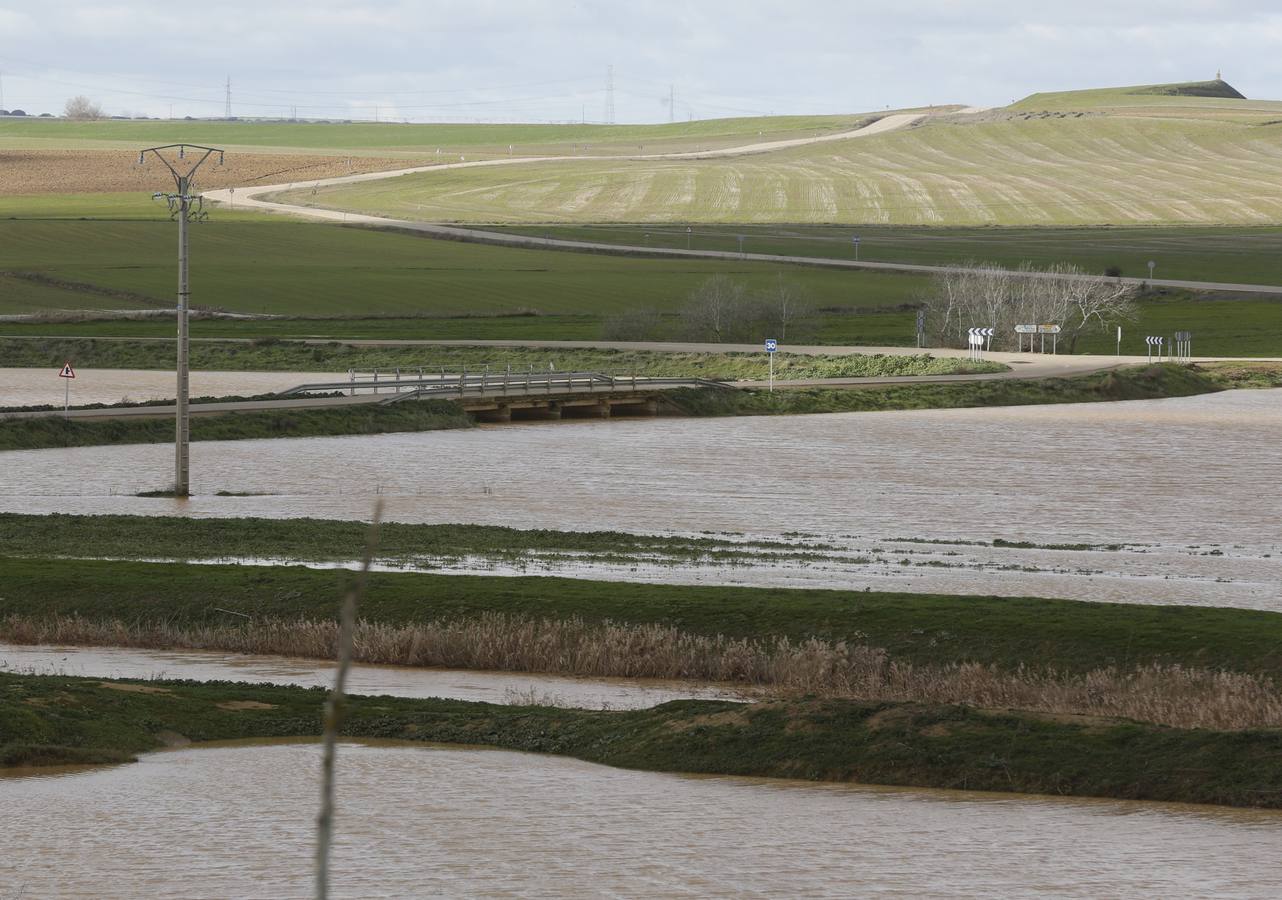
919,629
49,720
54,431
269,354
1146,383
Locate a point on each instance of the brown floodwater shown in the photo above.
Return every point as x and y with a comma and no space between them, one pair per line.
1189,485
396,681
238,821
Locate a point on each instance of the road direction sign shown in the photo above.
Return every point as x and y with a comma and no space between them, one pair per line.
67,371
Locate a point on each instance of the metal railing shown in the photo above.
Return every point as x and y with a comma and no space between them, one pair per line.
409,383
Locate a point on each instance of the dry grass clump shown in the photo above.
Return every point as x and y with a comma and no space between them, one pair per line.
1169,695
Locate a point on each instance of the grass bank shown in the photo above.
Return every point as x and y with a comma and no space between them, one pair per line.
920,629
53,719
1148,382
53,431
270,354
774,667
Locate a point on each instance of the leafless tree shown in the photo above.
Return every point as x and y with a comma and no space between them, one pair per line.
712,310
81,107
987,295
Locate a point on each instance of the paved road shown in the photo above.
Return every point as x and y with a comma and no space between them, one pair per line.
248,198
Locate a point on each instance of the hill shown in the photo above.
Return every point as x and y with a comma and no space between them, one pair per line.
1178,160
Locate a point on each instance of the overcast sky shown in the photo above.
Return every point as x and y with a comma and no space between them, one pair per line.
547,60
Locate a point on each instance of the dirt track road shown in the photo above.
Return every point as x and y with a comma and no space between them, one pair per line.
247,198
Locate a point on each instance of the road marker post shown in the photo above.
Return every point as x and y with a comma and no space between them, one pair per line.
1153,341
855,240
66,374
772,347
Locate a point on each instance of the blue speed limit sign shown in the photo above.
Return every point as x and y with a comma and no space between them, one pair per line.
771,345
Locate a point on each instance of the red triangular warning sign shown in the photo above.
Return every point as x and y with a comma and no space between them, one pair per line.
67,371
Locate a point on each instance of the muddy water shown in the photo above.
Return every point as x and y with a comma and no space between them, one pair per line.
237,821
35,387
1190,484
397,681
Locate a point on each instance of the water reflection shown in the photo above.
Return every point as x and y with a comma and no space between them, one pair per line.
397,681
430,821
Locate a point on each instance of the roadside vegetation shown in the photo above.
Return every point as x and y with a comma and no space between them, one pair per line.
43,432
1149,382
270,354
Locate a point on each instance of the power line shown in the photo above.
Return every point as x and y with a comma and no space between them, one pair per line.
609,95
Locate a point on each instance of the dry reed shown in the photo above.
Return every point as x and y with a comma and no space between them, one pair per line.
1165,694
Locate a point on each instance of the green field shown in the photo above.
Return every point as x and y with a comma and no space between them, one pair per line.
373,139
1005,167
291,268
1242,255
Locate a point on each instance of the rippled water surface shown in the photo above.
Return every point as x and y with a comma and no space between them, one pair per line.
1192,485
437,821
397,681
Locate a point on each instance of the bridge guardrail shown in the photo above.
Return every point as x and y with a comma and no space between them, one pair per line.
494,384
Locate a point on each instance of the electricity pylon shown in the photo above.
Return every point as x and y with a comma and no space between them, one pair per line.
185,205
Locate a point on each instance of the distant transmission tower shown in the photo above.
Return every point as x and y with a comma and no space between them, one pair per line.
227,104
609,95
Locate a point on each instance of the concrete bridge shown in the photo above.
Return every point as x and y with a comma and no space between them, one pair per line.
488,397
504,396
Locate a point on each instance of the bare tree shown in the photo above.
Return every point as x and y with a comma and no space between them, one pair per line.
81,107
712,310
987,295
783,307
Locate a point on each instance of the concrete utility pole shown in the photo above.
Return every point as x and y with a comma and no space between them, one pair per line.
181,207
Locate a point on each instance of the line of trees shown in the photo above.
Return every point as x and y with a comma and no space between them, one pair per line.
724,310
987,295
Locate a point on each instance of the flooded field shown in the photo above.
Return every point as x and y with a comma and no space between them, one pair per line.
1176,498
396,681
238,821
36,387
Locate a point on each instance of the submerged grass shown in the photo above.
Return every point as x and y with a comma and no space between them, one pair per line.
813,667
44,432
50,719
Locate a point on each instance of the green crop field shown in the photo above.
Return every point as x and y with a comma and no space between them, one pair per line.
1248,255
367,138
291,268
1006,167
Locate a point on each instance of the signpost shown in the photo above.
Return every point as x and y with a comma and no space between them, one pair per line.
1154,341
1184,345
1119,340
689,232
772,347
1152,264
66,374
855,240
921,328
1042,330
978,338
